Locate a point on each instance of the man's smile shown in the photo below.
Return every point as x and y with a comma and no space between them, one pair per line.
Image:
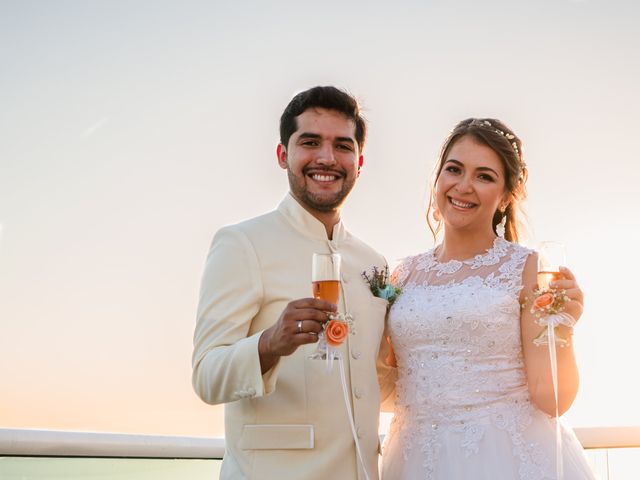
323,176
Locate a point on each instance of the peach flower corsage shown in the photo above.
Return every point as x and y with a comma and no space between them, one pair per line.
548,307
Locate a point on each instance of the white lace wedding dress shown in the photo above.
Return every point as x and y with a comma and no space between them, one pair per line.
462,408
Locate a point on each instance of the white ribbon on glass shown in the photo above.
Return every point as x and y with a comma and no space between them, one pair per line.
549,338
331,353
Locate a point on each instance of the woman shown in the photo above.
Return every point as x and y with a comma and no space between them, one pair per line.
474,394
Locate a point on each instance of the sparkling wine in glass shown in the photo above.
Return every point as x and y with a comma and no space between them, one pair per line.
325,276
551,255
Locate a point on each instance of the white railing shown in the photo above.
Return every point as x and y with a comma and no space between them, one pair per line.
54,443
608,437
26,442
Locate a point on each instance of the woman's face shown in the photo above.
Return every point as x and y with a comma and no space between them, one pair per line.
471,186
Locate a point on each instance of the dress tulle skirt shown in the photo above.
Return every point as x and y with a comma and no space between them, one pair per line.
496,454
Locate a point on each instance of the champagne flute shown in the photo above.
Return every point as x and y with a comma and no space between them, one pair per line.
325,276
325,284
551,255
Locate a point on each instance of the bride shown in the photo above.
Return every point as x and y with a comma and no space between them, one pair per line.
474,396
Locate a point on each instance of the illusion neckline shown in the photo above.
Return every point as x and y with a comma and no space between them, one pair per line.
497,242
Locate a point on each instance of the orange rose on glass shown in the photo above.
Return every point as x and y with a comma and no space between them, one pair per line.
325,279
544,301
335,332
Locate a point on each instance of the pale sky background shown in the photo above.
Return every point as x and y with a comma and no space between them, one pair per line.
132,130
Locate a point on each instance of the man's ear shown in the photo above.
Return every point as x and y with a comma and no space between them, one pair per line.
360,163
281,151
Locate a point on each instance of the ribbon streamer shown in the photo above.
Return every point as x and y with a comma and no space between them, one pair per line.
329,354
552,322
551,332
347,404
332,353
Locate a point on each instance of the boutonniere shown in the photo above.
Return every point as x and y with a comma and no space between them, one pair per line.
379,284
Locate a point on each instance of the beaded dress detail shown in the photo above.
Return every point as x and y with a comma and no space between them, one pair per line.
462,408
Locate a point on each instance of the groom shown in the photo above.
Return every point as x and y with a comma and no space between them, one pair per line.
285,416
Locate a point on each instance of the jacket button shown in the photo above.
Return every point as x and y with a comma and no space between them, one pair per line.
355,355
357,392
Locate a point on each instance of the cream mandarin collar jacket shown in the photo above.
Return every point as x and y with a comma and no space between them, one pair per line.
291,422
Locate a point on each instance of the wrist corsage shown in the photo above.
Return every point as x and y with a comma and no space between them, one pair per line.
548,308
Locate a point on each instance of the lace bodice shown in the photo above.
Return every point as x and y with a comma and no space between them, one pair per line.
455,330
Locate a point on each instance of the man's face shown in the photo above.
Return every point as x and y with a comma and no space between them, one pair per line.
322,159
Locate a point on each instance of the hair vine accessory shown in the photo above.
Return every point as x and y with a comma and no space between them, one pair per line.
509,136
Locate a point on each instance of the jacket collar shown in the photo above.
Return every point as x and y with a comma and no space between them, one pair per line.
307,224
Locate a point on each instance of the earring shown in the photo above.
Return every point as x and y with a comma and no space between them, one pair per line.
500,228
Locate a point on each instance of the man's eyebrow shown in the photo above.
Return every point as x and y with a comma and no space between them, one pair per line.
315,136
459,163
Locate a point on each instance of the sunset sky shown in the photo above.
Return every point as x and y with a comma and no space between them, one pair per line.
132,131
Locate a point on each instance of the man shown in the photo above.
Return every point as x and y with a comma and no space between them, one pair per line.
285,416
